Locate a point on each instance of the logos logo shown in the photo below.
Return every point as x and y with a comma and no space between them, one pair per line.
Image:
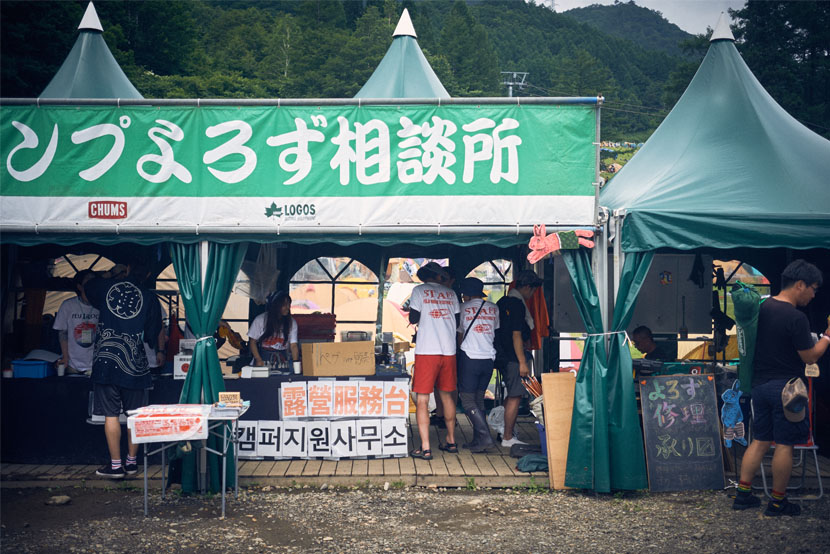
107,209
292,212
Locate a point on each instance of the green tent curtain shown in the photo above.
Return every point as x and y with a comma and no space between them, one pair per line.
204,307
606,445
628,466
588,456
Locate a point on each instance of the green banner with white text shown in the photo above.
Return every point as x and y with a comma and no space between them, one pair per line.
290,162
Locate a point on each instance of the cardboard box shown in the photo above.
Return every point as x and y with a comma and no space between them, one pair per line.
328,359
180,366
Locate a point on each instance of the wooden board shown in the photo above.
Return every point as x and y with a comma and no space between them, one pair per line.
558,391
682,432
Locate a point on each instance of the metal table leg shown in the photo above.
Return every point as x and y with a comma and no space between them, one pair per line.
235,441
146,511
224,463
163,471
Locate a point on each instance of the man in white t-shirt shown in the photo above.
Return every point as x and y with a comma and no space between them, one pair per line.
76,322
434,307
476,358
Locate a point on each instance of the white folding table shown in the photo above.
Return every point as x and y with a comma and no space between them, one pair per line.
215,421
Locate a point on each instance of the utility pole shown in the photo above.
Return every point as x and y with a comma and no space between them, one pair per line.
513,78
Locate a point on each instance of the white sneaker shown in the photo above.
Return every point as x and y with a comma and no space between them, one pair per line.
508,443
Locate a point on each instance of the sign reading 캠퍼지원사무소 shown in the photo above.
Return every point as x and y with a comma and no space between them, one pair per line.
298,166
682,432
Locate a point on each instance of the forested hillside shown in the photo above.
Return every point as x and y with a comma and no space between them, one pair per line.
632,22
329,48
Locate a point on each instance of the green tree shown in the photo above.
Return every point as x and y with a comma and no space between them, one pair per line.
471,55
35,39
785,44
694,49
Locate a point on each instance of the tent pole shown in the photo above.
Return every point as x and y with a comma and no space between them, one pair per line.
600,253
619,255
384,261
203,261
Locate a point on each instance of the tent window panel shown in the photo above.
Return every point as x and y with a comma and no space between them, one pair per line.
342,286
67,266
496,276
236,310
401,278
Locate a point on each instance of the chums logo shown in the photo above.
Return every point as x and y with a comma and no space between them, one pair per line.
292,212
107,209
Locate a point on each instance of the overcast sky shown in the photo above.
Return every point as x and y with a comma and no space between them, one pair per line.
693,16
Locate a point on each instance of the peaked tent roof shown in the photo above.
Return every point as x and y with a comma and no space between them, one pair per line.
728,167
403,72
90,70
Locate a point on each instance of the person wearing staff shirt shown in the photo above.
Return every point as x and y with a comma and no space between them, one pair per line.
476,358
273,334
434,307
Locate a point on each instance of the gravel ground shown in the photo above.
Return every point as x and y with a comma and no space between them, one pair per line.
368,520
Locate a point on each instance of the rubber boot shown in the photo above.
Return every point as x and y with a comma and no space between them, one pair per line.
483,440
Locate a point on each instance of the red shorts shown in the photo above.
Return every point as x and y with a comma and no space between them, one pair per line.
433,370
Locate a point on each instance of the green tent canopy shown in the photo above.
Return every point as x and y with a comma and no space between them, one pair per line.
403,72
728,167
90,70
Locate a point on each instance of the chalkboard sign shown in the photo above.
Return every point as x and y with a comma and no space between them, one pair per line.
682,432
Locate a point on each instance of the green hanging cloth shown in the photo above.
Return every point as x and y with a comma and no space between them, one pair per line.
588,451
747,303
606,445
628,464
204,307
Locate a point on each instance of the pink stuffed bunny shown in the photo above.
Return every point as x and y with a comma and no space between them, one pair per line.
542,244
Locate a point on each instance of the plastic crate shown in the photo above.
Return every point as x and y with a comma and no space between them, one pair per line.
33,369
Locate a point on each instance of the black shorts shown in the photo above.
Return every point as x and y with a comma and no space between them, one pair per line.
111,400
768,421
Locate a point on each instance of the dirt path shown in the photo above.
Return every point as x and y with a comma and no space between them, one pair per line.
401,520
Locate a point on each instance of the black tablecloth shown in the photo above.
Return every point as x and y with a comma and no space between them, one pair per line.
44,421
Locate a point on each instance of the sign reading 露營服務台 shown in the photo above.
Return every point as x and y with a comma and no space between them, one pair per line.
322,165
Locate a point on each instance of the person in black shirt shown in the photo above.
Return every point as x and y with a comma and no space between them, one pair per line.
644,342
512,357
130,315
783,346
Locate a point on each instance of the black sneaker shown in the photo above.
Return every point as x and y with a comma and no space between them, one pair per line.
131,469
109,472
745,501
782,508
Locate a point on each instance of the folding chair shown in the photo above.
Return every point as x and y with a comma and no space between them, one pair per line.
799,462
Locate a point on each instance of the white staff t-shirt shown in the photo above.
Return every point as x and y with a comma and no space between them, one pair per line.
79,320
436,328
478,344
275,342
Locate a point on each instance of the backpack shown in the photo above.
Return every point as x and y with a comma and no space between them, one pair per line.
747,304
